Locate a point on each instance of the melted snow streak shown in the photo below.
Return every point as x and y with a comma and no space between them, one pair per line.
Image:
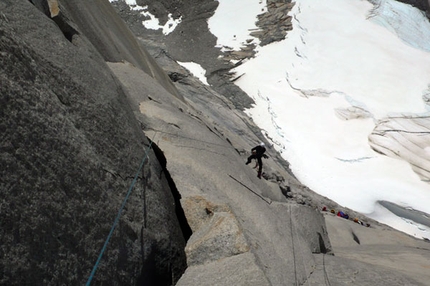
410,24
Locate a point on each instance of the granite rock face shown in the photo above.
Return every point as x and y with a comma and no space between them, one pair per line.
70,148
82,102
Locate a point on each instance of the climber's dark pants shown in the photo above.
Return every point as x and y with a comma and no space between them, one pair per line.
260,162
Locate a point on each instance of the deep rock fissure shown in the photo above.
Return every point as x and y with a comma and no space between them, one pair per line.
323,248
180,214
355,237
67,30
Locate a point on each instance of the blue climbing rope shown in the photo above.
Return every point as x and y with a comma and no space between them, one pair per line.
118,216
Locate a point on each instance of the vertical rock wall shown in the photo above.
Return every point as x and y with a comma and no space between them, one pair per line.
70,148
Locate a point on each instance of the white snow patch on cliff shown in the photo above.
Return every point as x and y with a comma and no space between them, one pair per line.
153,23
196,70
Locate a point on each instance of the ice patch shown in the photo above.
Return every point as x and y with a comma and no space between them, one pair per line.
410,24
408,226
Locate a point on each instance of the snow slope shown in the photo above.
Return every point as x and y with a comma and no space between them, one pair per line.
318,93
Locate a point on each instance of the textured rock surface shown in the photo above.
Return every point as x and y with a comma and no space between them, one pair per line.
112,39
219,238
384,249
70,148
216,232
225,272
275,23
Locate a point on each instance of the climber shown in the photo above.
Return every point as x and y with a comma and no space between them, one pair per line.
257,153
